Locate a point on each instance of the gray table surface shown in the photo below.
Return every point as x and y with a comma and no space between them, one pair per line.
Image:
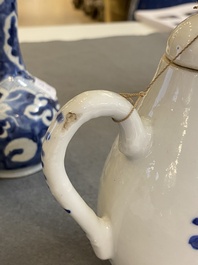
34,229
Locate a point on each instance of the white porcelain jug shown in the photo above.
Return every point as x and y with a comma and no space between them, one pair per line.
147,206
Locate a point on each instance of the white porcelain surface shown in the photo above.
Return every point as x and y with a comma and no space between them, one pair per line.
147,206
151,201
179,39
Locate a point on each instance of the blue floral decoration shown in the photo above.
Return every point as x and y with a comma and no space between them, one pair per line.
193,241
23,121
9,37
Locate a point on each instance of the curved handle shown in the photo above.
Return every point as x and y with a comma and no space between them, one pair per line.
133,140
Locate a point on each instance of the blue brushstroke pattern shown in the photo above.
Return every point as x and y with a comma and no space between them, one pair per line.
22,126
7,67
193,241
195,221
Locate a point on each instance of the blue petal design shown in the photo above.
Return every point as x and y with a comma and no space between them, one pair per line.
60,117
193,241
195,221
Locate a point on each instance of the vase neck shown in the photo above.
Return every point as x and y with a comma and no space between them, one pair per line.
11,61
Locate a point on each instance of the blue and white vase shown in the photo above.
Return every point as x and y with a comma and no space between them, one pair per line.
27,104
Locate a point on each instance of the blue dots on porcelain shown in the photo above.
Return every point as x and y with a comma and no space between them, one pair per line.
68,211
48,136
60,117
195,221
193,241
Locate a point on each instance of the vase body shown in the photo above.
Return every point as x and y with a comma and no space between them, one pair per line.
27,104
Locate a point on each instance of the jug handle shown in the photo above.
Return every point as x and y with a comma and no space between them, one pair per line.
133,139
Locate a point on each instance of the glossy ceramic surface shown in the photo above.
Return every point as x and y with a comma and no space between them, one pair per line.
147,211
179,39
151,201
27,105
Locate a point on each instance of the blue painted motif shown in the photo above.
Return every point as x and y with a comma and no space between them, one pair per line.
25,111
68,211
195,221
23,122
60,117
193,241
48,136
10,65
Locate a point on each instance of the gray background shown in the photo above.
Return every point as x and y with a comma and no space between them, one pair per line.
34,229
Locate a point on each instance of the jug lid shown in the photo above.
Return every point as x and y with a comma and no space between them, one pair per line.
181,36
